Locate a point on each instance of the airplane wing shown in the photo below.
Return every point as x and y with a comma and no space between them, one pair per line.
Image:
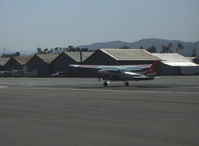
86,66
113,67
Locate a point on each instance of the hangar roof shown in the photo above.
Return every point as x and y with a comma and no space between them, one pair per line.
48,58
76,55
129,54
22,59
174,59
3,61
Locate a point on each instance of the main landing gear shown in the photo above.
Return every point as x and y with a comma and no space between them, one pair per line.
106,83
126,84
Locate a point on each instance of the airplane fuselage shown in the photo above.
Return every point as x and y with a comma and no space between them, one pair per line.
118,75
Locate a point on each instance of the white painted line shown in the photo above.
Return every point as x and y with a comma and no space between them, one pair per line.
3,87
107,90
130,91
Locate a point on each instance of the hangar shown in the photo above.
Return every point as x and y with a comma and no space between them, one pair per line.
44,64
12,64
16,62
120,57
79,58
176,64
40,64
3,61
61,63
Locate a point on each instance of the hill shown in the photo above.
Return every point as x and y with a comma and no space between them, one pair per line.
187,51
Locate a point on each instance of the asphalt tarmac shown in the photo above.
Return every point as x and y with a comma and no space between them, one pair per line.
75,111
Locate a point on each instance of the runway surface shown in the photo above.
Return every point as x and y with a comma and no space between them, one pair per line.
75,111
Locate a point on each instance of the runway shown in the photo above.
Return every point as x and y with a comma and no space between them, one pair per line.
76,111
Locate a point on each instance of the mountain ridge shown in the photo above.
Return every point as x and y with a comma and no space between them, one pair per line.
146,43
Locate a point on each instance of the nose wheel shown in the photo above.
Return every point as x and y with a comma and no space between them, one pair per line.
126,84
106,83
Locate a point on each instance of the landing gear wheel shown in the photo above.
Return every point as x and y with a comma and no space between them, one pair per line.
105,84
126,84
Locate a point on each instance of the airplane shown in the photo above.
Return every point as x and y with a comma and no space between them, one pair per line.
123,73
17,73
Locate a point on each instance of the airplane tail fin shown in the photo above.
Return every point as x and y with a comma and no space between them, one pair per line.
153,69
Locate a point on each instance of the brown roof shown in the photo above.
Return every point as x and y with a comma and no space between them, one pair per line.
48,58
22,59
129,54
76,55
3,61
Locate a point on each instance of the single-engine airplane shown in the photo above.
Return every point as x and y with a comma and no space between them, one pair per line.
123,73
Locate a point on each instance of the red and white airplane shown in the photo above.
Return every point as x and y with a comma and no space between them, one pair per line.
123,73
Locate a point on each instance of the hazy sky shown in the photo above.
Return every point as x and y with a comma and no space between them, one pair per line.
28,24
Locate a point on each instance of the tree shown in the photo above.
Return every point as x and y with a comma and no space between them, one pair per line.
179,47
194,54
17,53
164,49
39,51
71,48
78,49
51,51
124,47
170,46
56,49
167,48
12,54
151,49
45,51
64,49
141,47
85,49
61,50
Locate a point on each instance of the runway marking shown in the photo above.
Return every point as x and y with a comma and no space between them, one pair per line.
107,90
128,91
3,86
